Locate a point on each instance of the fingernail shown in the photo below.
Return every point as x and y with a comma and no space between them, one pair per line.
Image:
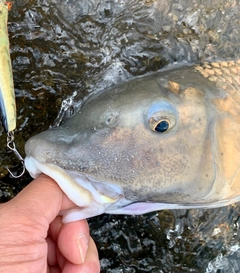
83,246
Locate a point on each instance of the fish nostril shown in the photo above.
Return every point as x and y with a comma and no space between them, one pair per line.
112,119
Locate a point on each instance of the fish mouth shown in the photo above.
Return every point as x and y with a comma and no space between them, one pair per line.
81,189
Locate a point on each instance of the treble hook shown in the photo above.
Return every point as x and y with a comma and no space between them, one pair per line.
10,141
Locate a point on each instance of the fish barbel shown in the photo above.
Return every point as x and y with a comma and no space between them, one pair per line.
168,140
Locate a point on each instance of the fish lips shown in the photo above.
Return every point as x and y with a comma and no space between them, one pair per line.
92,197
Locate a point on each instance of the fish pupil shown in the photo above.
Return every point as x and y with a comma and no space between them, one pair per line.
162,126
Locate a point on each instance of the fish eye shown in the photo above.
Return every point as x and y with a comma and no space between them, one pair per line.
162,117
162,126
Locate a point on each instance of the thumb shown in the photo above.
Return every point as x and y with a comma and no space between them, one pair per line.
41,200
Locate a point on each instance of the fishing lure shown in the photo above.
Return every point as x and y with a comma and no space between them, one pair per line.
7,95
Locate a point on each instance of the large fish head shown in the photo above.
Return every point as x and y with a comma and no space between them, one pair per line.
144,145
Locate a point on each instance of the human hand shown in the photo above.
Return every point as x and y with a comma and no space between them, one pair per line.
33,238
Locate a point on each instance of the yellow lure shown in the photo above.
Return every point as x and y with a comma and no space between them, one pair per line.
7,95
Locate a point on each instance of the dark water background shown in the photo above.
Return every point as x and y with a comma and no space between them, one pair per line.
63,50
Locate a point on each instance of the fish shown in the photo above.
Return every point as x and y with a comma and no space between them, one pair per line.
7,95
167,140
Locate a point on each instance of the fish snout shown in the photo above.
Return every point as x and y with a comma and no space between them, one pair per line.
41,147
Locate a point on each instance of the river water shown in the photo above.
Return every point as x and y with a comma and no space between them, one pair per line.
64,50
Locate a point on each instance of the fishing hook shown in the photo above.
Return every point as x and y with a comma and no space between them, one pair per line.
11,145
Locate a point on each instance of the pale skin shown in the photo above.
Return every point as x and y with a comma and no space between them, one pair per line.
33,238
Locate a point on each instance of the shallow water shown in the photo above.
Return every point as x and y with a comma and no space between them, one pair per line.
63,50
170,241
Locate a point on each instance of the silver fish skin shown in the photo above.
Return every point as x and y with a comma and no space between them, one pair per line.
163,141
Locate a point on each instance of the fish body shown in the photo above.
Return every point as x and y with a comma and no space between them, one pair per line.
163,141
7,96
